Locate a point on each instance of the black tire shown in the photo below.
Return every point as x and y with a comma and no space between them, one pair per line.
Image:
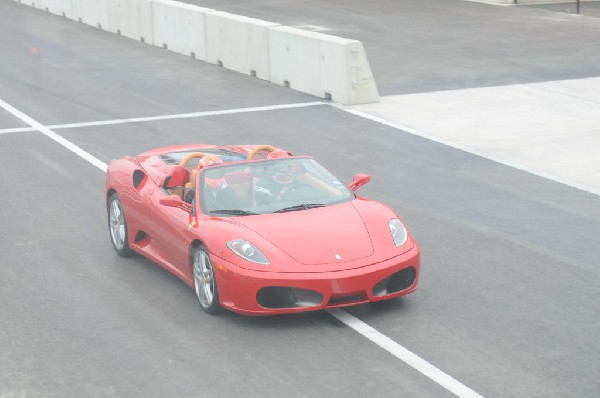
117,227
205,283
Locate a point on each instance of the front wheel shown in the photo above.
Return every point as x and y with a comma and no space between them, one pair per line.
117,226
205,283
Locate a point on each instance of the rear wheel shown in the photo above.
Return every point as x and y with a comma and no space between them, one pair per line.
205,283
117,226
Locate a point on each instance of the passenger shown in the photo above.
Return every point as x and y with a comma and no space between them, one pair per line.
216,194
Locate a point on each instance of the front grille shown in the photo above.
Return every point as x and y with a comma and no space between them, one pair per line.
276,297
333,300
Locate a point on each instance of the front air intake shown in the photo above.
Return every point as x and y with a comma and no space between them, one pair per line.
396,282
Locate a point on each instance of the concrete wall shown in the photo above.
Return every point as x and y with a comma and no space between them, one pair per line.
92,12
531,1
130,18
180,27
322,65
238,43
58,7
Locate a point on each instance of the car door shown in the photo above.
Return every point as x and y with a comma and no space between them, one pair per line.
167,228
173,235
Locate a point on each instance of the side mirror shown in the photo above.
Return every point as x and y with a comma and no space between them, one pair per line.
358,181
175,201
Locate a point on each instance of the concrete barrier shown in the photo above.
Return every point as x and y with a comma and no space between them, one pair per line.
521,2
238,43
180,27
91,12
322,65
58,7
131,18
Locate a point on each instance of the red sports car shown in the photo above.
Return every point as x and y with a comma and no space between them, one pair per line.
257,230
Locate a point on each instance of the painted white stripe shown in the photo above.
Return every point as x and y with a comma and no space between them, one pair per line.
168,117
411,359
52,135
17,130
467,149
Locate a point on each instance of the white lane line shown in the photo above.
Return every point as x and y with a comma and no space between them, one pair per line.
466,149
168,117
408,357
367,331
52,135
17,130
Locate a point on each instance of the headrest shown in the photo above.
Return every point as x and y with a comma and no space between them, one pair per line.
209,160
278,154
179,176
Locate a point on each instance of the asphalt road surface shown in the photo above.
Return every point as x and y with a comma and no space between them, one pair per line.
510,261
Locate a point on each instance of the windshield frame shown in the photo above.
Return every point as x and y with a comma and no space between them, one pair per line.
335,185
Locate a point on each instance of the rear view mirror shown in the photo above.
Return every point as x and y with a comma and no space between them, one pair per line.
175,201
358,181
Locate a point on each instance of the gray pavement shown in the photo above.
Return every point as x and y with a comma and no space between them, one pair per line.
507,303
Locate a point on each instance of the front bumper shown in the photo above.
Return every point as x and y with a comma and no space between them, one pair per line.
251,292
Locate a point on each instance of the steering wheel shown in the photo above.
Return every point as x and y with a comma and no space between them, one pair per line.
191,156
300,189
260,148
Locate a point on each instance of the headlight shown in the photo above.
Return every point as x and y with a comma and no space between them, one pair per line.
398,232
248,251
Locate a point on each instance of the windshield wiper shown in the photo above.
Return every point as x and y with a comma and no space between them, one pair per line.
235,212
302,206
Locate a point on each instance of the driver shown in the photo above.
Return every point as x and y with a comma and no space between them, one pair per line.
276,185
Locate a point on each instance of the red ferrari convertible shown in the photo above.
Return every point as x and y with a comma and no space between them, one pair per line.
257,230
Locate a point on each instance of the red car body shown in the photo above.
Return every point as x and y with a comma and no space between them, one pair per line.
336,255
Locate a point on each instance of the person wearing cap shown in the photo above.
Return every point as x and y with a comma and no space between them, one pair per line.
276,185
216,194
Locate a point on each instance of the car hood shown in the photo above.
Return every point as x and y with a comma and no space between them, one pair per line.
324,235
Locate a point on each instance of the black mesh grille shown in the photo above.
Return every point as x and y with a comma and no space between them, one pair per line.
396,282
287,297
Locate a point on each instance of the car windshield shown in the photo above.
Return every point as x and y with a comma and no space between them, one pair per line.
269,186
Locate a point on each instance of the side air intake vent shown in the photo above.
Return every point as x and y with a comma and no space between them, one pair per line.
138,178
